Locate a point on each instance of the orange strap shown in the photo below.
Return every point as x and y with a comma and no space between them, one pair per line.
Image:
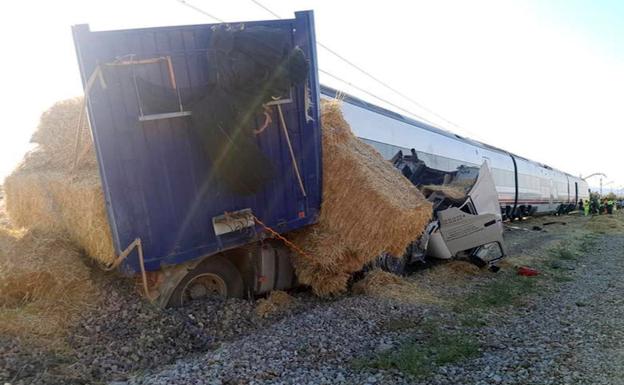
282,238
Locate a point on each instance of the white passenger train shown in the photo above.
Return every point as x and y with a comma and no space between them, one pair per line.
524,187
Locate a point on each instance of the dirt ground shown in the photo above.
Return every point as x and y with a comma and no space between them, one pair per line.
123,338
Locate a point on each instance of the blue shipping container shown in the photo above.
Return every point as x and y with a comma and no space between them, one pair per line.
158,180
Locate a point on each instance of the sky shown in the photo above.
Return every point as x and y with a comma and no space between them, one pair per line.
543,79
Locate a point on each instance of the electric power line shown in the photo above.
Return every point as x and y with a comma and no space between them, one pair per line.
191,6
258,3
371,76
376,97
379,81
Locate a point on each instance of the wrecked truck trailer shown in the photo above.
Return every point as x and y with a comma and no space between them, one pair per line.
208,141
176,195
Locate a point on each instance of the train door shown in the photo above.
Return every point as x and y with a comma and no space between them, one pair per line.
569,197
576,197
553,193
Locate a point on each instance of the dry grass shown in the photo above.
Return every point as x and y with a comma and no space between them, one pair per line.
607,224
379,283
276,302
368,208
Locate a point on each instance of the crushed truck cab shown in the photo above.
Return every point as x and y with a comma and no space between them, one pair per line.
464,223
474,224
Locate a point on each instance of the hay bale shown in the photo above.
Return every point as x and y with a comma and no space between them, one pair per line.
50,192
277,301
36,265
368,208
44,284
56,135
4,220
71,203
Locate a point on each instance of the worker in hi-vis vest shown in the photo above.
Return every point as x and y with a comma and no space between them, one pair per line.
586,207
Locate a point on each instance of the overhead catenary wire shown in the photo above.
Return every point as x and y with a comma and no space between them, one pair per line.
376,97
384,84
404,110
259,4
191,6
374,78
347,61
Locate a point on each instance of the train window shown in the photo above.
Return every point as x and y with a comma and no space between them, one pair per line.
430,170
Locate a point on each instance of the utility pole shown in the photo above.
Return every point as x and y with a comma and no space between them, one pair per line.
594,174
606,184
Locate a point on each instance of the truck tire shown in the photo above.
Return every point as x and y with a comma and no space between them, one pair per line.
215,276
394,265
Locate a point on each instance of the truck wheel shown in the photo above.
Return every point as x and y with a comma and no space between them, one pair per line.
393,265
216,276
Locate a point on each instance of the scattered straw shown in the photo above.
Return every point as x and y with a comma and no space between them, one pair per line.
276,302
44,284
379,283
463,267
512,262
368,208
452,271
455,192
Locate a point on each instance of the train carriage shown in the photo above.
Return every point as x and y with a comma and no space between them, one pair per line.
524,187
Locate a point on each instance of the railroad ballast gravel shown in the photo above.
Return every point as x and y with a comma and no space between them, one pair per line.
572,335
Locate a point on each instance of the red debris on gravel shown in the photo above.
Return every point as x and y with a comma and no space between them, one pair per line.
527,271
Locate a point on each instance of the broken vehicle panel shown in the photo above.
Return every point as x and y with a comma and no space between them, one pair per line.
464,221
